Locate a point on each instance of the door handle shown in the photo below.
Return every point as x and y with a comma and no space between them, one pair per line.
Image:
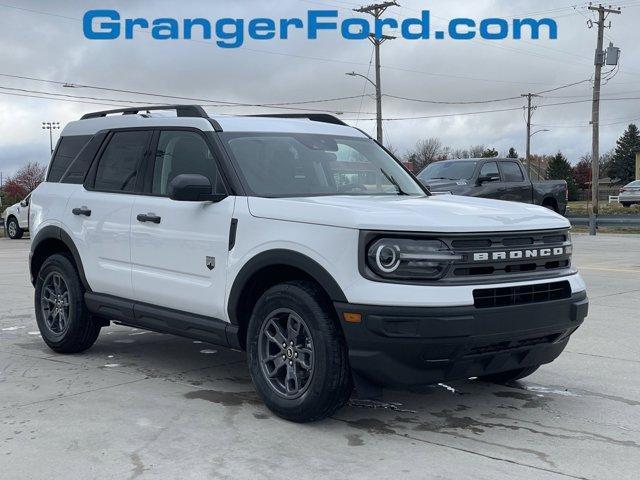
82,211
148,217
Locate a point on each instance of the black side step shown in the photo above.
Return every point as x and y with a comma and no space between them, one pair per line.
163,320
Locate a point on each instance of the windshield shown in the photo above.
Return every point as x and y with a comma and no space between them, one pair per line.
457,170
298,165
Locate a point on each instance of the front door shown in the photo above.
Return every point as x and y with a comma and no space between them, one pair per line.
23,212
179,249
490,188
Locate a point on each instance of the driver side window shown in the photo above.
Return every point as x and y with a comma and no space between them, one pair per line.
490,169
183,152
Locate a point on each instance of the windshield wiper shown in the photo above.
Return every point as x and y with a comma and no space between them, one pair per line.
442,178
394,182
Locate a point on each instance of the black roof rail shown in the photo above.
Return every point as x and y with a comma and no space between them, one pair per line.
181,111
314,117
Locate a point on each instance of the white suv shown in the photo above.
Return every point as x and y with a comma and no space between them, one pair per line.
300,240
16,218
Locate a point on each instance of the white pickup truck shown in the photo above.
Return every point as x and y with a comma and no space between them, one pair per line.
16,219
301,241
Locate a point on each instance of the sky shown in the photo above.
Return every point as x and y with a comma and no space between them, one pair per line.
44,40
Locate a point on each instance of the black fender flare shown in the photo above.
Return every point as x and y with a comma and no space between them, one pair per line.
57,233
288,258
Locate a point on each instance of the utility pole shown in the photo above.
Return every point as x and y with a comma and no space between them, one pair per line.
603,13
377,10
530,109
51,126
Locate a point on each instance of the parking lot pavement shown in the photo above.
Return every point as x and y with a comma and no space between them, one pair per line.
142,405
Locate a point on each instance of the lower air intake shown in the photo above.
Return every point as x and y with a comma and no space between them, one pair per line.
521,295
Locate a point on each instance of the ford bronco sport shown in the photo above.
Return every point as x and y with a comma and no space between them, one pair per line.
300,240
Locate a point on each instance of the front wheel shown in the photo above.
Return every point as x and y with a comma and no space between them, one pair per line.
64,322
13,229
626,204
510,375
297,354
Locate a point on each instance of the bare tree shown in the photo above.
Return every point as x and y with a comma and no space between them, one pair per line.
426,151
476,151
459,153
393,149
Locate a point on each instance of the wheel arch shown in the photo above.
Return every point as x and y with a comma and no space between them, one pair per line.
270,268
51,240
553,202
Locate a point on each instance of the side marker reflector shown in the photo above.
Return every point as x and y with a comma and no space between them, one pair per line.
352,317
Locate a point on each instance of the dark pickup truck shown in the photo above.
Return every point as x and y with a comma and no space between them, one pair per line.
499,178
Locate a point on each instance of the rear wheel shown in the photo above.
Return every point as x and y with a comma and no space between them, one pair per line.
64,322
551,205
297,354
13,229
510,375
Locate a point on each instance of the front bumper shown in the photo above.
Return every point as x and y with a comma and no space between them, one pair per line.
410,346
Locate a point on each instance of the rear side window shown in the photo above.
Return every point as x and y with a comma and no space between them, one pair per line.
511,172
118,166
68,148
490,169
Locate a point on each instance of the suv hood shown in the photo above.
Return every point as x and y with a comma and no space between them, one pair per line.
438,213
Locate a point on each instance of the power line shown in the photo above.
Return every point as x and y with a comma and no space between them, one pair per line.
203,101
495,110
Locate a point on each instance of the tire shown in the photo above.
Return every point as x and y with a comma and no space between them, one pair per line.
73,330
510,375
626,205
13,229
322,382
551,205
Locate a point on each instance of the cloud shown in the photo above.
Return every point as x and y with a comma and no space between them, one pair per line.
52,46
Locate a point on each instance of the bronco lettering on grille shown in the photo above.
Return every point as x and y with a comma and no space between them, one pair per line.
519,254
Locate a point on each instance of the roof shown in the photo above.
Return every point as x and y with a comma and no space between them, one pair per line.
195,117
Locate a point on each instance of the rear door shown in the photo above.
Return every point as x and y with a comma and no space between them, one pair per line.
179,258
516,187
99,214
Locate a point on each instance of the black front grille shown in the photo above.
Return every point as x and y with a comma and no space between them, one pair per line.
521,295
524,244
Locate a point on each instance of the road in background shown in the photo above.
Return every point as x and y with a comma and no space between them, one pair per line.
142,405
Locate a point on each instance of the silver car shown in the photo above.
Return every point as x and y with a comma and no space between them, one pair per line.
630,193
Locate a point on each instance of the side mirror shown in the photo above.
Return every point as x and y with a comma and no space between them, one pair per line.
488,178
193,188
23,203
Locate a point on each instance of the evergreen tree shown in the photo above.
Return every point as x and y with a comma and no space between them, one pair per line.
559,168
490,153
512,153
622,165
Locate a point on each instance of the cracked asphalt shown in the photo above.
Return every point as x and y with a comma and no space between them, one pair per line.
146,405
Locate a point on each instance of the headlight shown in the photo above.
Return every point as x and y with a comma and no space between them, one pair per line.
409,259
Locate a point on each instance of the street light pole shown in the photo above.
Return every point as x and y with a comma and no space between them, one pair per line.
51,126
529,145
